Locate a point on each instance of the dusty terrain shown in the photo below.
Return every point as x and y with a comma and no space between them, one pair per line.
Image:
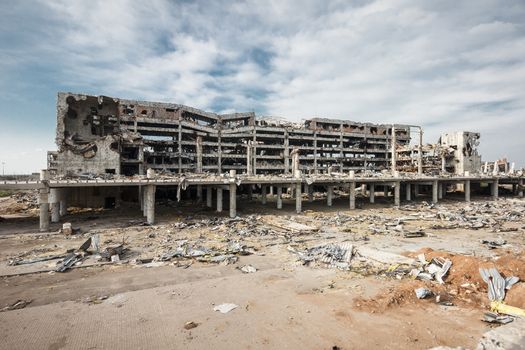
146,299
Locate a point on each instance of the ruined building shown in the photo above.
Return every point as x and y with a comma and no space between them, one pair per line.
98,134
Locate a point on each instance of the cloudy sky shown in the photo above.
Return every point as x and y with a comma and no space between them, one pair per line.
445,65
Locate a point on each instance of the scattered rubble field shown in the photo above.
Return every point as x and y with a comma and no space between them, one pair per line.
371,278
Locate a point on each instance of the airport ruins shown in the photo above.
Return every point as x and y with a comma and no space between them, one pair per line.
161,225
112,150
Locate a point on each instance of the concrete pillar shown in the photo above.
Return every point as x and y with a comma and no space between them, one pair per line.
440,190
416,190
279,197
199,193
443,190
271,190
352,195
329,195
520,188
43,201
63,201
209,194
150,200
372,193
54,204
310,193
466,188
219,199
250,192
298,198
435,186
495,189
263,194
233,194
408,189
397,194
385,191
514,189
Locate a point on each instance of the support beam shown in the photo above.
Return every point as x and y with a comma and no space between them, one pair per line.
219,199
416,191
385,191
352,195
145,190
43,201
520,188
435,186
209,194
440,190
329,195
298,198
199,193
279,197
408,189
233,194
250,192
372,193
141,197
263,194
494,190
54,202
466,188
310,193
150,200
397,194
63,201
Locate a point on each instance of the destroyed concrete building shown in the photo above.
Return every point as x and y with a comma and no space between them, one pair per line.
107,135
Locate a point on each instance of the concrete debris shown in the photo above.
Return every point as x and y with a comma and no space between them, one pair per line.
225,308
507,337
71,260
422,293
204,254
19,261
19,304
67,229
328,255
494,244
190,325
493,317
248,269
436,269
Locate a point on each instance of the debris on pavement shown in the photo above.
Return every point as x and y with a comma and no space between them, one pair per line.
190,325
19,304
225,308
493,317
248,269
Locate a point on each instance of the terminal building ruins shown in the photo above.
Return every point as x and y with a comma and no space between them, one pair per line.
111,150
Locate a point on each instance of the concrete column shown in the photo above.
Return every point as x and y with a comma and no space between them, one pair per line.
150,200
443,190
495,189
466,188
520,188
310,193
199,193
416,190
514,189
440,190
233,194
435,186
263,194
279,197
43,201
250,192
408,189
209,194
352,195
298,198
219,199
397,194
329,195
63,201
271,190
54,204
385,191
372,193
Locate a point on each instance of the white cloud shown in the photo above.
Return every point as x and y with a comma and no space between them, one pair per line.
444,65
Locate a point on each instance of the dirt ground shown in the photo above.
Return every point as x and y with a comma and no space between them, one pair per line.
146,299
